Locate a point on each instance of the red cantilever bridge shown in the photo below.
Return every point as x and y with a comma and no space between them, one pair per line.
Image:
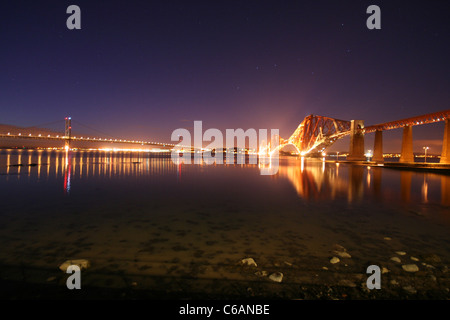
316,133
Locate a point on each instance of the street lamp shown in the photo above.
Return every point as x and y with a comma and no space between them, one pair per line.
369,155
426,148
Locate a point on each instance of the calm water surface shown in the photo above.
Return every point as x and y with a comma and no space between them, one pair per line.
144,222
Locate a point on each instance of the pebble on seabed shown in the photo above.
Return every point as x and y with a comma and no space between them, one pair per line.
277,277
81,263
396,259
410,267
334,260
410,289
249,261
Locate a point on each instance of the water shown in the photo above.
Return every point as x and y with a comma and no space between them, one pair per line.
145,223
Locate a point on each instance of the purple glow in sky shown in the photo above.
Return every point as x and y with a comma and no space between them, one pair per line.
140,69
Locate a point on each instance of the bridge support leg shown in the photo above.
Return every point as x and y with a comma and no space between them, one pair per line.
67,144
445,155
68,132
378,147
407,145
356,152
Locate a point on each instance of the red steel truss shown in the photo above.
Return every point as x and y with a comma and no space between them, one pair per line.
413,121
315,133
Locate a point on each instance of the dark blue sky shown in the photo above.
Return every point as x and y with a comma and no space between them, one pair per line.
140,69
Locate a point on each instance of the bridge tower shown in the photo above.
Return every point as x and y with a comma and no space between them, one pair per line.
407,145
68,132
378,147
445,155
356,152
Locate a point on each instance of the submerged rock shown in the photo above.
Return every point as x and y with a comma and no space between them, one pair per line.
340,251
347,283
334,260
261,273
410,289
396,259
249,262
410,267
338,247
342,254
277,277
400,253
432,258
81,263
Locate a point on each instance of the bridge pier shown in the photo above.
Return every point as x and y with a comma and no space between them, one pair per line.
445,155
378,147
407,145
356,152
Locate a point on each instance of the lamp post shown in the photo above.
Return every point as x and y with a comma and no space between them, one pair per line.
369,155
426,148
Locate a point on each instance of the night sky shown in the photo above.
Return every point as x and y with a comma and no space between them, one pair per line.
140,69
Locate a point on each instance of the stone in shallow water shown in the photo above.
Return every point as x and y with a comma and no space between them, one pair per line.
338,247
340,251
414,259
342,254
410,289
432,258
249,261
410,267
261,273
400,253
396,259
334,260
347,283
277,277
81,263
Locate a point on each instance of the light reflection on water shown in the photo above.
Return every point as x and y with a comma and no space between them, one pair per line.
328,181
143,214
